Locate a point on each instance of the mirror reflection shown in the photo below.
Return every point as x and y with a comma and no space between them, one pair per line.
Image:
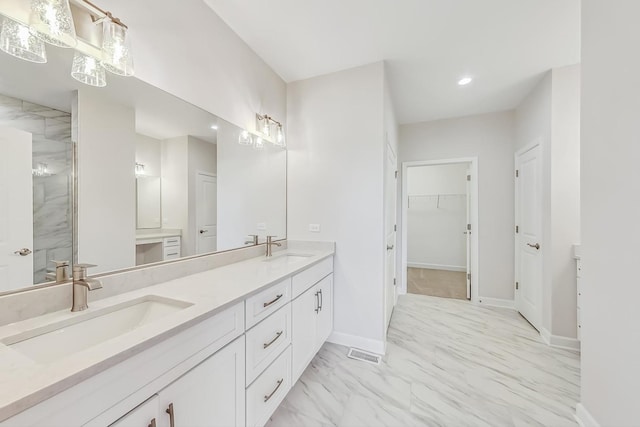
157,178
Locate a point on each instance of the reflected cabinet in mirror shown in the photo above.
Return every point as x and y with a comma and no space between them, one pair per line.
158,179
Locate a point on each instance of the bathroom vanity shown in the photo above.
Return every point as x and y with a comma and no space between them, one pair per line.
219,347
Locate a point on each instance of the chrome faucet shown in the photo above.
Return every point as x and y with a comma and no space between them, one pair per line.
270,244
82,285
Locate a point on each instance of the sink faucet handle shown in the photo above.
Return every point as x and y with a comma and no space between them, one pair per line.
79,267
60,263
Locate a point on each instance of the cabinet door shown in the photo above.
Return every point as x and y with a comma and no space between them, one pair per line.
145,415
211,394
303,337
325,315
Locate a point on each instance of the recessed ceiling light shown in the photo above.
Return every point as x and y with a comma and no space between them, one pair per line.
214,127
465,81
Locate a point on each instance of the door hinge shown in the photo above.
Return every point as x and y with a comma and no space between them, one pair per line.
468,227
517,229
469,276
517,173
468,177
396,174
394,281
395,227
517,286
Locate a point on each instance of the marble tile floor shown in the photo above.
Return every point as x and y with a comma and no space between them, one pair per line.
437,283
448,363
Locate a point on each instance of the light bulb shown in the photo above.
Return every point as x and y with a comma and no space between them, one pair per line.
266,127
259,145
280,140
116,49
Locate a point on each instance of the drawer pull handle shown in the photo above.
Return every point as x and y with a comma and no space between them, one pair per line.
172,254
321,299
273,340
317,309
172,420
275,300
266,398
152,423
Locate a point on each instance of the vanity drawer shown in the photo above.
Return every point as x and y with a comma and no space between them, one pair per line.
269,390
171,241
267,340
172,252
309,277
261,305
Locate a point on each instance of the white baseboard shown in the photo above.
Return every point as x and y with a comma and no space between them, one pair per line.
497,302
436,266
559,341
374,346
584,418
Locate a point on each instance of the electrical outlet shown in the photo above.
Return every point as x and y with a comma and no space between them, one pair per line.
314,228
261,226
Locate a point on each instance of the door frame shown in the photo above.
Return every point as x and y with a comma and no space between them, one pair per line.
475,271
516,236
389,149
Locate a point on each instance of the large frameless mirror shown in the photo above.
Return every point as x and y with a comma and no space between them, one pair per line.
158,179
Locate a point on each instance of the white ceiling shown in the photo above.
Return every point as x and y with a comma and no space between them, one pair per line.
428,45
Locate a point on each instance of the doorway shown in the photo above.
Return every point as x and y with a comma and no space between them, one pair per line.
439,245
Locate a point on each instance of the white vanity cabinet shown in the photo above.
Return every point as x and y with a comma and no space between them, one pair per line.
312,313
211,394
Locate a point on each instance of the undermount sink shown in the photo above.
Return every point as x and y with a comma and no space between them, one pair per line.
61,339
288,257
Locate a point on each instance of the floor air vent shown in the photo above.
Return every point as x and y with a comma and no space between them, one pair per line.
363,356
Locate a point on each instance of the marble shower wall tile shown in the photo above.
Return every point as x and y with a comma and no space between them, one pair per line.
52,212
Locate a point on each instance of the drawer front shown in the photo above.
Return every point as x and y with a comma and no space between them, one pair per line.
267,340
171,241
305,279
261,305
269,390
172,252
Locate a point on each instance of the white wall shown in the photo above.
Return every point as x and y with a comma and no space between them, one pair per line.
336,179
251,190
437,217
175,185
550,114
490,138
610,211
190,52
106,138
148,152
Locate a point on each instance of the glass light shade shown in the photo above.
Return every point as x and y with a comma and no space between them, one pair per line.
266,127
18,40
116,49
259,145
86,69
280,139
53,21
245,138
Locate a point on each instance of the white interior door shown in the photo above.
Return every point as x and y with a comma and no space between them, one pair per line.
206,213
529,235
468,234
16,209
390,234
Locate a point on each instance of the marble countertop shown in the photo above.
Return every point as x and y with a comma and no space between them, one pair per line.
25,383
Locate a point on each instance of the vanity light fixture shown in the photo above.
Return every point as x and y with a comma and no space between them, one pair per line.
53,22
264,124
139,169
20,41
41,170
259,144
214,127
